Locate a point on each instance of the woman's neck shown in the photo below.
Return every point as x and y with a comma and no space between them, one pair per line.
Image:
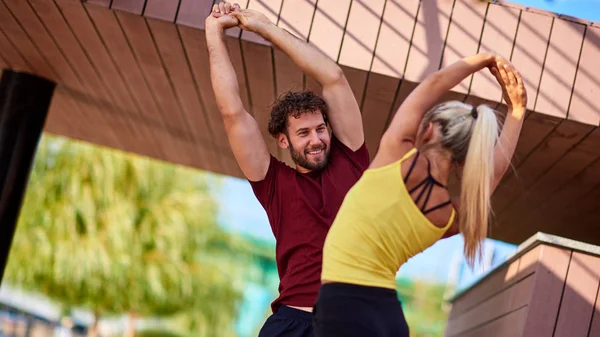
441,164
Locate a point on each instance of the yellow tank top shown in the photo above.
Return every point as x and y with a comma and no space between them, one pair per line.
377,229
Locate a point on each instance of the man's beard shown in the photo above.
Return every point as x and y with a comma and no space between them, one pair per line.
301,158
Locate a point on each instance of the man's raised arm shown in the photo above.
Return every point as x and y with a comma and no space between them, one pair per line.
344,113
247,143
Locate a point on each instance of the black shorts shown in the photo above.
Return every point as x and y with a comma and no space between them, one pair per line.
347,310
288,322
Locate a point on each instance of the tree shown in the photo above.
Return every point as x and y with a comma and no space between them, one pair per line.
116,233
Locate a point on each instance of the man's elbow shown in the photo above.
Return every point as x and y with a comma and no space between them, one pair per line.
230,107
335,75
232,113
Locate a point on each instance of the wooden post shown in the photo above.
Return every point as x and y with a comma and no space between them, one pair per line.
24,103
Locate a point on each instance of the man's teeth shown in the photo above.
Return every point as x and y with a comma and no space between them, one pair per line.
315,152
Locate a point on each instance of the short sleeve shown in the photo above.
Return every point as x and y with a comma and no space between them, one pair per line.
360,157
264,190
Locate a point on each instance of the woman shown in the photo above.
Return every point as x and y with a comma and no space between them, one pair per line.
401,205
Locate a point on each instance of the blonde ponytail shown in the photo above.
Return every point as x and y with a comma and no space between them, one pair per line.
470,135
477,177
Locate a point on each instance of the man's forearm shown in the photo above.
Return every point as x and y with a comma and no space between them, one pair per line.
307,57
222,73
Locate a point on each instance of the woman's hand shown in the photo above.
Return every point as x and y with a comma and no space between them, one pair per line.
511,82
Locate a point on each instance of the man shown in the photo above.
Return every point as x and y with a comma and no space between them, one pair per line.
301,202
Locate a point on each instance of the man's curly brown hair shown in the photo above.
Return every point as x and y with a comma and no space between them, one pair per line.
294,103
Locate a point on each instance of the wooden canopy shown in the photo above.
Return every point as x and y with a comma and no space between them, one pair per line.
134,75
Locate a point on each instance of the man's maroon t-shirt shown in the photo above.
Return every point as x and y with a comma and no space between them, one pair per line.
301,208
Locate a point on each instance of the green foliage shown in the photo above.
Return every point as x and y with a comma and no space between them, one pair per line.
423,307
117,233
158,333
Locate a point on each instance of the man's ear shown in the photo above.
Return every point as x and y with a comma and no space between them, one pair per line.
283,141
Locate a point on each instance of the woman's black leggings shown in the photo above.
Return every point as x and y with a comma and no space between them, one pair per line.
347,310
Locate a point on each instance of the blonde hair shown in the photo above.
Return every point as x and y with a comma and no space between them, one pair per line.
470,135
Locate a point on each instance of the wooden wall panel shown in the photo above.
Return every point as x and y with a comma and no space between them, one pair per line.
121,54
535,129
387,68
595,323
559,208
296,18
328,26
580,211
560,67
498,37
258,63
104,3
579,297
176,66
508,300
405,88
550,182
162,9
360,39
142,43
11,59
14,39
586,91
144,141
379,98
361,33
501,279
563,138
427,46
506,326
131,6
11,56
87,73
395,38
234,49
487,309
463,36
194,44
529,51
327,32
428,39
193,13
16,14
544,304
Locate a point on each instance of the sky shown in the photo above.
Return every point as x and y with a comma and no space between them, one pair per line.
242,213
584,9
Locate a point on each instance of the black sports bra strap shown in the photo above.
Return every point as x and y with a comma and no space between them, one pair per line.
430,190
444,204
426,186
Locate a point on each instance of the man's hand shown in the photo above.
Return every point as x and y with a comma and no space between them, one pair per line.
222,16
246,19
252,20
513,90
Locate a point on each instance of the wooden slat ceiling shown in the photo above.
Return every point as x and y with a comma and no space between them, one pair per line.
133,75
